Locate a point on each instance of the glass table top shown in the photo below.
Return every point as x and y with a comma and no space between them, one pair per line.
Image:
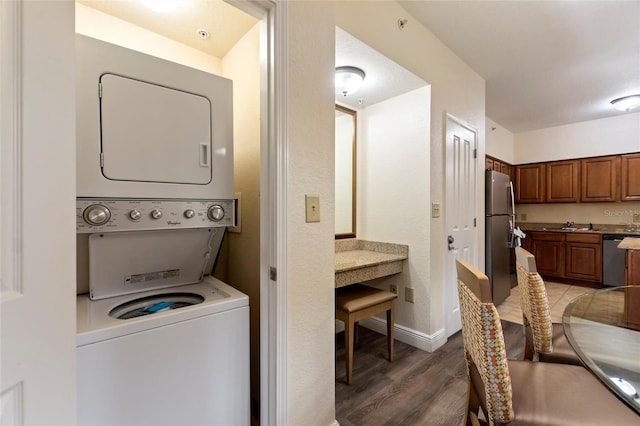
603,327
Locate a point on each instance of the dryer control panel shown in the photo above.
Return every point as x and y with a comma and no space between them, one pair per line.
110,215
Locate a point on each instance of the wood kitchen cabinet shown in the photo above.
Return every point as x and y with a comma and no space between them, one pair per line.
632,268
630,177
488,163
562,181
530,183
574,256
600,176
583,254
548,248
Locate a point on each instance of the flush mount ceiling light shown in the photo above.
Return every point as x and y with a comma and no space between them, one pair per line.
348,80
626,103
162,6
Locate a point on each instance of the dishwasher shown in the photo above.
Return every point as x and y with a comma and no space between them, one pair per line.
613,260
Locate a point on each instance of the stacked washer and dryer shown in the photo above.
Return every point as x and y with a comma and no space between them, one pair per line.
159,340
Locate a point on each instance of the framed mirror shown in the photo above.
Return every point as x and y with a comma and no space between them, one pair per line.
345,169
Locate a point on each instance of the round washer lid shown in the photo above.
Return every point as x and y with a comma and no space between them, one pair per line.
149,305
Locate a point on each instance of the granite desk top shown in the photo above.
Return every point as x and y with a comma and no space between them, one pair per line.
359,260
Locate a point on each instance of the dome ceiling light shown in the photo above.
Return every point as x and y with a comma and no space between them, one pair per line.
348,80
626,103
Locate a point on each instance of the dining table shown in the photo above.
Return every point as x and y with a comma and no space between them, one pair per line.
603,328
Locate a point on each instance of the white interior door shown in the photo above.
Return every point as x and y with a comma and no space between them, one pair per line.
461,239
37,169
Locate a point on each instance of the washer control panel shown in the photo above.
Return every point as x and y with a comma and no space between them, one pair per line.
110,215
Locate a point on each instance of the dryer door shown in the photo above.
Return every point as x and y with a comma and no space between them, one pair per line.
152,133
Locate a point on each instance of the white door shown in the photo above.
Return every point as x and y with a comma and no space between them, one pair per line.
37,170
460,210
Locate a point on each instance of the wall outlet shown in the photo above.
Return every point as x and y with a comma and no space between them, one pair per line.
393,288
523,216
408,294
636,218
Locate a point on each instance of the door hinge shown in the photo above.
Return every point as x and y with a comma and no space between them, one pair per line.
101,160
475,222
100,90
273,273
475,152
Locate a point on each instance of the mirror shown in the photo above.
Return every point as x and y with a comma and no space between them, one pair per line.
345,201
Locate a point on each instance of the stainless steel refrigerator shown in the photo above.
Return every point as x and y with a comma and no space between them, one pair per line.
499,208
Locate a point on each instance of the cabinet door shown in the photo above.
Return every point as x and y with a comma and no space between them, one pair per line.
562,181
600,179
584,261
548,248
506,169
630,177
530,183
488,163
497,165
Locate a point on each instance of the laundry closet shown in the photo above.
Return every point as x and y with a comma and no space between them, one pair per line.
155,203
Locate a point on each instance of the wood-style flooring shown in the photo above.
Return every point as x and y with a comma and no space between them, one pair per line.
417,388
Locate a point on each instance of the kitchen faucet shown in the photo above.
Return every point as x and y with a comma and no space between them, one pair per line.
569,224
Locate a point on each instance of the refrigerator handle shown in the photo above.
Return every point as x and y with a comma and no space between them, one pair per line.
512,222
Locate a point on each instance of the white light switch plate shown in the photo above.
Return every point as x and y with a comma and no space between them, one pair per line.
312,203
435,209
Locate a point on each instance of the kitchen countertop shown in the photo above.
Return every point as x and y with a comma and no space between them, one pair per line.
359,260
597,228
630,244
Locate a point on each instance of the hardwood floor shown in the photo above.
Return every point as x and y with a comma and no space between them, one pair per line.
417,388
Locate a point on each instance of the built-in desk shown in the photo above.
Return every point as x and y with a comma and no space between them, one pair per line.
360,260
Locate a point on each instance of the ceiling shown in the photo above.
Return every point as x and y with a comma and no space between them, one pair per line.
546,63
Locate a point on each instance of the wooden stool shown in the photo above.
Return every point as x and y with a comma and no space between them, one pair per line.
356,302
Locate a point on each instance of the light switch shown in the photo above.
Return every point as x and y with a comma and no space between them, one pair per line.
312,208
435,209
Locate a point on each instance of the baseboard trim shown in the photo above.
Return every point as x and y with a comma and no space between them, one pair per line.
407,335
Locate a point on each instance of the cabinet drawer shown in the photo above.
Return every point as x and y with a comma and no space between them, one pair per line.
584,238
548,236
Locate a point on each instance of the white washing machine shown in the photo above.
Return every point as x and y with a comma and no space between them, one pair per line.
175,356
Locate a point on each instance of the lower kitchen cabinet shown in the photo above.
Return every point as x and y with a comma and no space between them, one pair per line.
572,256
584,257
548,248
632,268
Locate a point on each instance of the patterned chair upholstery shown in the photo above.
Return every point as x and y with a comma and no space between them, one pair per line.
523,392
544,341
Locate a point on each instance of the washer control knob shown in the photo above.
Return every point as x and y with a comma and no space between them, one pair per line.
189,213
216,213
156,214
135,214
96,214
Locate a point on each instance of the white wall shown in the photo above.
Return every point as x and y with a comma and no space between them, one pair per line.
500,142
102,26
393,192
310,246
455,88
615,135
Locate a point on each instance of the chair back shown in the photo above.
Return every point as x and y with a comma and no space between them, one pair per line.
534,302
484,344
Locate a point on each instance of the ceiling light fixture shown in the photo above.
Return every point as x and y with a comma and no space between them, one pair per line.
626,103
348,80
162,6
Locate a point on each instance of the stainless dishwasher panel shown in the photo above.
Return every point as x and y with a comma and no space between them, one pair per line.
612,260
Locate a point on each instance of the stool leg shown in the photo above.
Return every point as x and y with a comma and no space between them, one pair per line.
390,332
356,332
348,341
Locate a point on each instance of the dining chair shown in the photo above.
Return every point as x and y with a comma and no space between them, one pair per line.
356,302
502,391
543,340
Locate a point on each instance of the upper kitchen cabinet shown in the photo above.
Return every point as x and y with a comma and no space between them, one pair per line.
630,177
600,179
530,183
562,181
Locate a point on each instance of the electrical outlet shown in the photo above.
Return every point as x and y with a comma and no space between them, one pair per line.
523,216
393,288
408,294
312,203
636,218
